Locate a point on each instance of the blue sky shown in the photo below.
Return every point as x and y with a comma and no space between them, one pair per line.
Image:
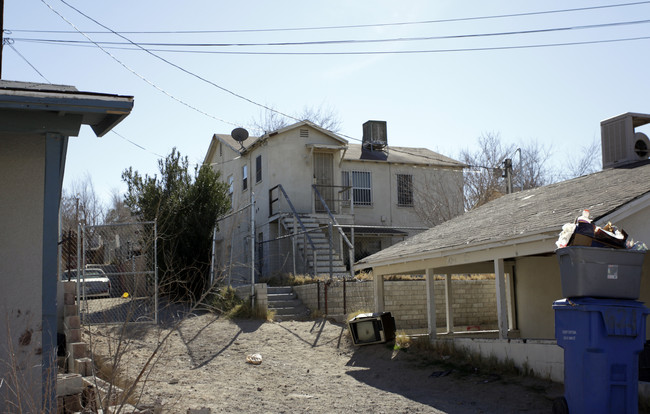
442,100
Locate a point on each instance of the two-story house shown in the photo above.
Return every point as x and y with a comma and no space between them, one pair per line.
320,200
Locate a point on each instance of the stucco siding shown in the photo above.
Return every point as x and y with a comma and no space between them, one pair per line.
22,160
538,285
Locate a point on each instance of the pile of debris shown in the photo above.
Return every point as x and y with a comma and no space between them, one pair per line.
583,232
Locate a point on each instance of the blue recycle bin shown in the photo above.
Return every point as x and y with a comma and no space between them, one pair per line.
602,339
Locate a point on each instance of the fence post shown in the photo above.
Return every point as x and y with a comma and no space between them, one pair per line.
293,244
318,293
304,253
326,285
79,253
345,307
331,247
252,234
155,261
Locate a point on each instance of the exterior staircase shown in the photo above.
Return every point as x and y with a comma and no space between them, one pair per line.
320,239
286,305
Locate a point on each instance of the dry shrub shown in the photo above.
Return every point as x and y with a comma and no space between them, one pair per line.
356,313
402,340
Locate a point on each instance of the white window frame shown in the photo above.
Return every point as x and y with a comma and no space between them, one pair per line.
244,181
361,182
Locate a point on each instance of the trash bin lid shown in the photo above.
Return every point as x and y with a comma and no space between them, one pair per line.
620,317
591,304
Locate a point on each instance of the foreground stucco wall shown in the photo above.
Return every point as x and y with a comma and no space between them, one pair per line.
543,358
22,160
538,285
474,303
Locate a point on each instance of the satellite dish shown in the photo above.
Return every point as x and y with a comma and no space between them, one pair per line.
239,135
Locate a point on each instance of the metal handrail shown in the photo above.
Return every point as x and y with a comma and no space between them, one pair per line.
331,216
296,217
336,224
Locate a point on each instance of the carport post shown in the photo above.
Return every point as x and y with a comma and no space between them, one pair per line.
378,284
431,304
502,309
449,299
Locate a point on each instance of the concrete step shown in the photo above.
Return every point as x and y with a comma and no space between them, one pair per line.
286,303
286,314
276,290
282,297
283,302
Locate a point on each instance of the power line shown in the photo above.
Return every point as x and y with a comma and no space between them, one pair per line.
366,52
136,144
356,26
136,73
355,41
9,43
177,66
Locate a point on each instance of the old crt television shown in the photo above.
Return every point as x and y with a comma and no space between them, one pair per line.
372,328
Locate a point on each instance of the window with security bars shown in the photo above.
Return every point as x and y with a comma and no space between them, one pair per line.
258,169
405,190
361,184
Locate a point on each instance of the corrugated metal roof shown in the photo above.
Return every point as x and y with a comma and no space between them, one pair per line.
536,211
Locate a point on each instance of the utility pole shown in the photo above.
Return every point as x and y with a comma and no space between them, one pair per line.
2,32
507,173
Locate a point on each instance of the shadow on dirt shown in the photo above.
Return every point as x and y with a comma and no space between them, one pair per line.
444,388
201,348
316,338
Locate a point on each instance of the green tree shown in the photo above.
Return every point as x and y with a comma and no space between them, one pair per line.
185,207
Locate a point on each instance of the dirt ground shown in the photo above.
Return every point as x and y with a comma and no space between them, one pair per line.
307,367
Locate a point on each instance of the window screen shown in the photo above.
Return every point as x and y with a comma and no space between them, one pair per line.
258,169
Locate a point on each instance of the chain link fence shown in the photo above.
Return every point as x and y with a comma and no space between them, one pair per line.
115,270
234,258
321,248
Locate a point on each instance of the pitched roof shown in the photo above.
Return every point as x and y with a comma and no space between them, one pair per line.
251,141
355,152
537,211
99,110
401,155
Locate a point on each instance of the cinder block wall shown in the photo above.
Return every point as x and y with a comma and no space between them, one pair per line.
474,302
261,294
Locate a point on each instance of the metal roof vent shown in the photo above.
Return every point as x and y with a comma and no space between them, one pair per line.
374,135
620,144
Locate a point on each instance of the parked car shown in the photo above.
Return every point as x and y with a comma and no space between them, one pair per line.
94,283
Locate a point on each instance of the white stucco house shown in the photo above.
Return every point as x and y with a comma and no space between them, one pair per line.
514,238
305,178
36,121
